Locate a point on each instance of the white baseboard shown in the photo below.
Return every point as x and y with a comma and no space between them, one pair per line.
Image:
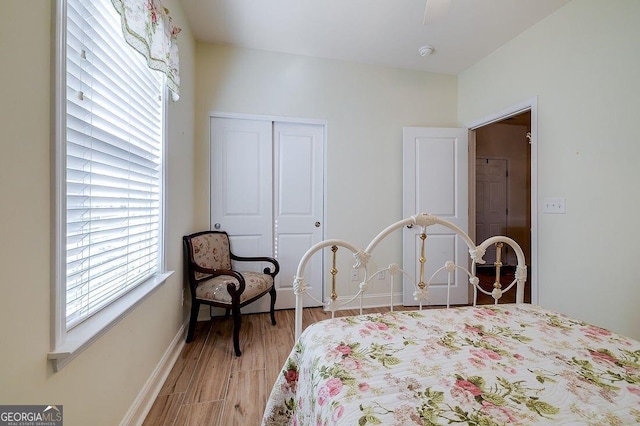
147,396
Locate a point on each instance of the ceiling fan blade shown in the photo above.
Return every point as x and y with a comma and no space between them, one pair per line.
434,10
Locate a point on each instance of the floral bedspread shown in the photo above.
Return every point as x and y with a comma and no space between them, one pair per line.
488,365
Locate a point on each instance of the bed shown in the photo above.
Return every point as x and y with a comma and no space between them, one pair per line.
503,363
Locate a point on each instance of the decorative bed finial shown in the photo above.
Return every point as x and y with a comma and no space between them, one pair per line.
421,294
424,219
362,258
496,293
330,306
477,255
521,273
299,286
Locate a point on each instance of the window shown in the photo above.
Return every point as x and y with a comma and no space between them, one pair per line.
109,175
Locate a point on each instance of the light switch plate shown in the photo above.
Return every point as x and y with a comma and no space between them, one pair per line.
553,205
355,274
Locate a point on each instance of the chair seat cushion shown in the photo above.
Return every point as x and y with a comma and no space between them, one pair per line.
215,289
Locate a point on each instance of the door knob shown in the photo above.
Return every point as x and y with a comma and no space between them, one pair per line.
317,224
217,226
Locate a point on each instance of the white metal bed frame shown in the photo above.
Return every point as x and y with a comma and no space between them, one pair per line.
423,220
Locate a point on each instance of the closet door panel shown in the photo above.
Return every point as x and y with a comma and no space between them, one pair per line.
241,184
298,203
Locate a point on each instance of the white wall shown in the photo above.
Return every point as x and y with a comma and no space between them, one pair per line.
365,108
99,386
583,64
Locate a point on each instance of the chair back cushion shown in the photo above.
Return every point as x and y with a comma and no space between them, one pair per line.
211,251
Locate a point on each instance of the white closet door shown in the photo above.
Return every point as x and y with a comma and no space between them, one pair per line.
298,204
241,185
267,192
435,181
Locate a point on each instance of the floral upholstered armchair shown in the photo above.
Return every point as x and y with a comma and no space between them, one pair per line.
213,282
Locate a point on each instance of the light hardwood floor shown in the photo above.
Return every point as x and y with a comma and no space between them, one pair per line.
209,385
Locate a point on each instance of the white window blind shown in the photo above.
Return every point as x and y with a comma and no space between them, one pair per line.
113,162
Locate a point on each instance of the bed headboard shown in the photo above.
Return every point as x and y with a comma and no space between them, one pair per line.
421,282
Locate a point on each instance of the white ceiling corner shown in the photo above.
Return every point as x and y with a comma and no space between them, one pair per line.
381,32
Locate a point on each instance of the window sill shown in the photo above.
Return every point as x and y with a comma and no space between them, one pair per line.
80,337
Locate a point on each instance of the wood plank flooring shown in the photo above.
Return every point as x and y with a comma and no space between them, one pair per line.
209,385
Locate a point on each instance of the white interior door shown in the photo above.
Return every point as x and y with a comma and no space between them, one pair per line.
298,204
241,184
267,192
491,202
435,181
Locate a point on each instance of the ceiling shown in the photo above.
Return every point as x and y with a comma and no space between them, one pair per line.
380,32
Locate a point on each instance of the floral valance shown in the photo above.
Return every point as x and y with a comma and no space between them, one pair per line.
147,27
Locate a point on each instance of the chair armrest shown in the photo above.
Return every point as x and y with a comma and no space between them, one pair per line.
271,260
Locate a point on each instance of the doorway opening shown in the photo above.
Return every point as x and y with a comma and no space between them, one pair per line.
503,189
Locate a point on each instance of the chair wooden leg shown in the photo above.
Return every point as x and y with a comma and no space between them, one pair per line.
272,292
195,308
236,329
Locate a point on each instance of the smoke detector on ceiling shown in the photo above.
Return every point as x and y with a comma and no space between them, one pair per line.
425,50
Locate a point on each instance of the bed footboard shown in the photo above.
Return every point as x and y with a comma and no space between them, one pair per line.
361,261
